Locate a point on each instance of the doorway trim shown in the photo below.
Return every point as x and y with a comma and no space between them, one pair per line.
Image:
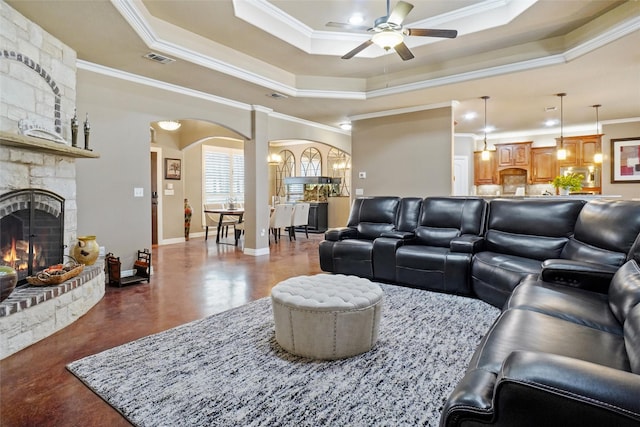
160,187
461,179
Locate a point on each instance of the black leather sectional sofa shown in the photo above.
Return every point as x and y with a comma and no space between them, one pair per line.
566,349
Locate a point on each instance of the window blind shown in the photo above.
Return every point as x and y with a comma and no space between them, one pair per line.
223,174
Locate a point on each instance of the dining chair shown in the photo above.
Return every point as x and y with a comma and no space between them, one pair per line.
238,230
212,219
280,218
300,218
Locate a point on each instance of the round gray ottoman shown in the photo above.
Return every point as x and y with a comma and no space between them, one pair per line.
326,316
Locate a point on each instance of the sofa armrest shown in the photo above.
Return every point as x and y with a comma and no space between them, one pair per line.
468,243
402,235
383,257
564,391
472,399
578,274
340,233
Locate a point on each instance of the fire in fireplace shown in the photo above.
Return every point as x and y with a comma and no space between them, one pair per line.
31,230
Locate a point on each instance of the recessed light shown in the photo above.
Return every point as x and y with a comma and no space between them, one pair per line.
345,126
356,19
489,129
550,122
470,115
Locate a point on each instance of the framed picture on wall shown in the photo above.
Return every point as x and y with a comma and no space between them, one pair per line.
625,160
172,168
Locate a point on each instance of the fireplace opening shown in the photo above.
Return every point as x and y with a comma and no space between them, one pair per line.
31,230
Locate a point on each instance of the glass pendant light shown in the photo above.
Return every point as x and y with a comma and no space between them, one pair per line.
597,157
561,153
485,155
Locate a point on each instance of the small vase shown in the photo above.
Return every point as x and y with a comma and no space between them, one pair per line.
563,191
86,250
8,280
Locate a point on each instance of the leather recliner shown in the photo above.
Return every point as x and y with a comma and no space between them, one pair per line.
557,355
605,236
520,235
446,237
348,250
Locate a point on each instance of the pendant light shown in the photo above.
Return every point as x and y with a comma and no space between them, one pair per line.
485,155
561,153
597,157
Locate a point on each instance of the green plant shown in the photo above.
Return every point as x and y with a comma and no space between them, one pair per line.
570,181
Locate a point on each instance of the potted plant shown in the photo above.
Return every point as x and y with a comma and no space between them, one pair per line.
568,182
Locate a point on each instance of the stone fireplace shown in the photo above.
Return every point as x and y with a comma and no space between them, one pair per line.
38,182
31,230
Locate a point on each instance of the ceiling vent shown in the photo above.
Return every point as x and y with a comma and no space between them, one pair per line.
277,95
159,58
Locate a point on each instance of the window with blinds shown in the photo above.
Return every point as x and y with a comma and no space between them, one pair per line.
223,174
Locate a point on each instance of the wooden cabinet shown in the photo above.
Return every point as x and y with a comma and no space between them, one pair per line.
580,149
543,165
484,171
514,155
318,217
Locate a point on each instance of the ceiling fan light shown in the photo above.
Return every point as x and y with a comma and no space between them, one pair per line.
387,39
169,125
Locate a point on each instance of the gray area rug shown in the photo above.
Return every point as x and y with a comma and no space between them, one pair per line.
228,370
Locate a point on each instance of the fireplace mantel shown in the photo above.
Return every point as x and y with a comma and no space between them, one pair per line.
43,145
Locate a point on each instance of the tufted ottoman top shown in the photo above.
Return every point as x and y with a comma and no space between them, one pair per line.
327,292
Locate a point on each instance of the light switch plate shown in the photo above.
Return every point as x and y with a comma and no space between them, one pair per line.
138,192
359,191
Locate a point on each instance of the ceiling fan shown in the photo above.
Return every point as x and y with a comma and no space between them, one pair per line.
389,32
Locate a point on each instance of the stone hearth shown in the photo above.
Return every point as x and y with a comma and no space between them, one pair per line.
32,313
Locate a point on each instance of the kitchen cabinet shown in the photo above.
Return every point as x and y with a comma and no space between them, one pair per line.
543,165
580,149
484,171
514,155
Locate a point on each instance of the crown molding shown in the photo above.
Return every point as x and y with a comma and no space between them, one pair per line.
397,111
141,21
135,78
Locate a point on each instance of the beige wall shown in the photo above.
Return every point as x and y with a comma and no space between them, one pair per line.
404,155
615,131
121,113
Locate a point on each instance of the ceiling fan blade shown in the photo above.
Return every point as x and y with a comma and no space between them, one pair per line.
399,12
425,32
349,27
357,50
403,51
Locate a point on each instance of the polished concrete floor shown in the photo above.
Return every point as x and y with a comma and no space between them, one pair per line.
191,280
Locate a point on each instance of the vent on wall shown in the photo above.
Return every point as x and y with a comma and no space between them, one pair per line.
159,58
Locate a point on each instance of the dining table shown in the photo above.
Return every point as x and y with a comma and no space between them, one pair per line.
222,212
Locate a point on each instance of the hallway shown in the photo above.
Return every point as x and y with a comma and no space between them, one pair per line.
190,281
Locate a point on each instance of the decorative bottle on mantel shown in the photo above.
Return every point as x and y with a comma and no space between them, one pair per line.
74,129
87,131
86,250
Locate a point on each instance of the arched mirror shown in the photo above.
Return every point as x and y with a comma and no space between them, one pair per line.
311,162
284,170
339,166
